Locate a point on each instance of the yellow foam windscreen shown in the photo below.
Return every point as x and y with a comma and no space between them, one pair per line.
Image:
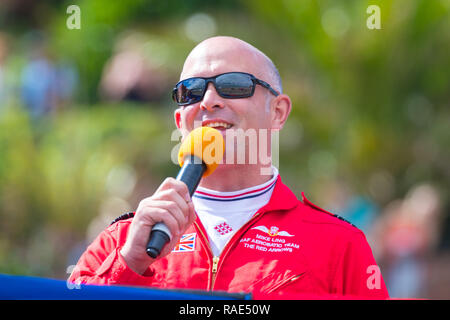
205,143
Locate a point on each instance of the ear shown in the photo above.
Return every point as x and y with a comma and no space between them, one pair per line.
177,116
280,108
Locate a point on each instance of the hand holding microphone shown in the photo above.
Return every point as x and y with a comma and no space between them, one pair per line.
169,212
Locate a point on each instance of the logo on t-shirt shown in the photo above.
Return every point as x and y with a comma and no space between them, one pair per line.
273,231
273,240
223,228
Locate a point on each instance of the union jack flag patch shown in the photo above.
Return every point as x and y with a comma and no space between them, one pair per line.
186,243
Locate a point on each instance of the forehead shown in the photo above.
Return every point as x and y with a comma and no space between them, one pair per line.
209,60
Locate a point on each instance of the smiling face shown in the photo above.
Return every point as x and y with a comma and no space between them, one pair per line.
216,56
219,55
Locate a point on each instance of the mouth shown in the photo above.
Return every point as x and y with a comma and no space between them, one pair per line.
218,124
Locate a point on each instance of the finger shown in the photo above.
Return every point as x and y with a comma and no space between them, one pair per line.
192,214
162,214
178,186
182,216
174,210
172,195
165,195
173,202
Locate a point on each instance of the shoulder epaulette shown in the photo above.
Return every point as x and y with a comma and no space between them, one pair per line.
343,219
310,204
124,216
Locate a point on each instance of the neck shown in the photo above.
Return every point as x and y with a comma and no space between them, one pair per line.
235,177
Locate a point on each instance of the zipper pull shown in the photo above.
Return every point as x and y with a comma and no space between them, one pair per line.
215,264
214,272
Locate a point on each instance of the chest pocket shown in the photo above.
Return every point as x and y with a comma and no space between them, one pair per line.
283,284
279,281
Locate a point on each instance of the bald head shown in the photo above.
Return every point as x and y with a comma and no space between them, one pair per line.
225,54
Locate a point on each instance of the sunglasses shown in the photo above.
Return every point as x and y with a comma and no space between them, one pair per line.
230,85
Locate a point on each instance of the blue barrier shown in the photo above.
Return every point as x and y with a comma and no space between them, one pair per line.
35,288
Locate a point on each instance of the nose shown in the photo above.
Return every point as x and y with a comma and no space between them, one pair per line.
211,99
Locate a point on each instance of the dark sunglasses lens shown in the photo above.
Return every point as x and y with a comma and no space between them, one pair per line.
234,85
190,91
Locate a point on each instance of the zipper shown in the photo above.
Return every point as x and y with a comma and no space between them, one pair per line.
215,259
214,270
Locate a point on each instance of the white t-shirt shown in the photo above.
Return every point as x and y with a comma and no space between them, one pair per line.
224,213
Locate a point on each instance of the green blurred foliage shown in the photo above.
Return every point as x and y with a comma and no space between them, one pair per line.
54,172
367,104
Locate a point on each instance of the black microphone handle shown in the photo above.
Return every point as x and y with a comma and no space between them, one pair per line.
191,174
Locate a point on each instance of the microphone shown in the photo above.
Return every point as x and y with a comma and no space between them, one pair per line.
199,155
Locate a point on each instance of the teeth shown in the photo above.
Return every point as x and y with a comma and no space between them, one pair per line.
218,124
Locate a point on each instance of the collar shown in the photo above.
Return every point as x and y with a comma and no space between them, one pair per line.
227,196
282,198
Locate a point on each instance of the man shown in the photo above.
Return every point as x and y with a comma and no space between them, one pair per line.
243,231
